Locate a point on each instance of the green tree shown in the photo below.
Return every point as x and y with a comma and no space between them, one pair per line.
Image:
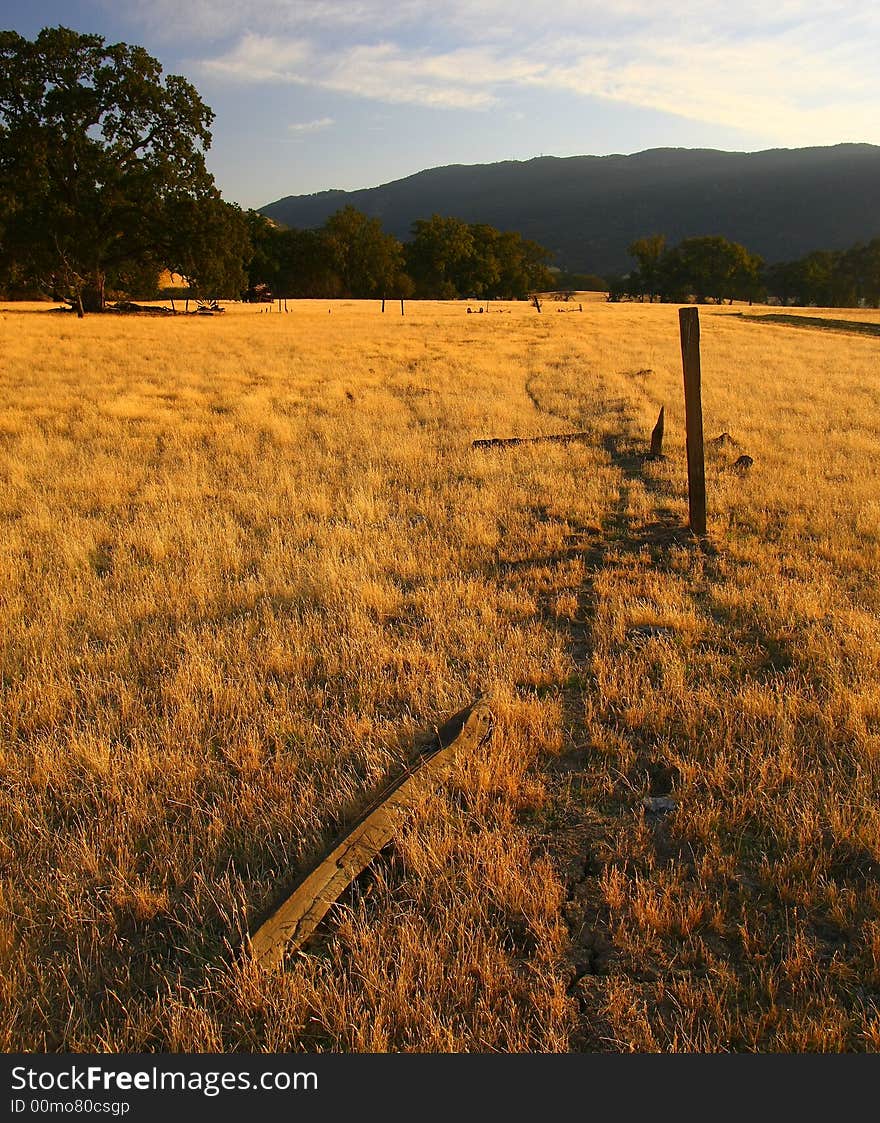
308,267
648,252
264,264
708,268
480,272
439,257
618,288
823,282
522,265
98,155
207,241
781,281
828,278
366,259
448,258
350,255
862,263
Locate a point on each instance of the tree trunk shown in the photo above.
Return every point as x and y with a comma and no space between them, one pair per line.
93,295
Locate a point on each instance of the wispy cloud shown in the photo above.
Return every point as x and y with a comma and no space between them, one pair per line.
498,20
210,21
793,71
303,127
460,79
773,88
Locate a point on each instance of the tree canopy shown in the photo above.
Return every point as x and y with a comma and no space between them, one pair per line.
351,255
448,257
367,261
712,268
102,169
707,268
830,279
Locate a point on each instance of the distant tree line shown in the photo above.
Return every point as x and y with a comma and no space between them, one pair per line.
714,269
829,279
352,256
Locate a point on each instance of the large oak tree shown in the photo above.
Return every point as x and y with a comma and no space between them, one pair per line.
102,167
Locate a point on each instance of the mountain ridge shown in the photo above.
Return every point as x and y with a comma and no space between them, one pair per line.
781,202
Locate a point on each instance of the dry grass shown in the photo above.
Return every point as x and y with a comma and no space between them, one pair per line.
247,558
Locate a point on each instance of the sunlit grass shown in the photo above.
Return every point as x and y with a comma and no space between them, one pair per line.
247,558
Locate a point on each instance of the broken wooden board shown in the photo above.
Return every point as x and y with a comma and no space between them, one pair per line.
557,438
291,924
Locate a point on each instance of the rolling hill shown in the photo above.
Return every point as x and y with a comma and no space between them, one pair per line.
781,203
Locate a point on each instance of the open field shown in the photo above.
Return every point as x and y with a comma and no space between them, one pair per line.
247,558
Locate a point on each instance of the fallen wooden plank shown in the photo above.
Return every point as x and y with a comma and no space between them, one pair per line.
291,924
557,438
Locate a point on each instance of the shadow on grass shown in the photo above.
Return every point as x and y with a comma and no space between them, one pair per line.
816,323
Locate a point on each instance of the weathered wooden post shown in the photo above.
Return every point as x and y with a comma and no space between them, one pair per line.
383,303
689,327
657,437
401,307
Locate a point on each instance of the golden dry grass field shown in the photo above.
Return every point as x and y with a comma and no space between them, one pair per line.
247,559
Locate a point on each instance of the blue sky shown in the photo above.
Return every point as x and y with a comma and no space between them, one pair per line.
332,93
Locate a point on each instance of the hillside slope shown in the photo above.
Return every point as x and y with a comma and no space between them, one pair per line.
781,203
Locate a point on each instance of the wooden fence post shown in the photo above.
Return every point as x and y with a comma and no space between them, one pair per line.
689,327
657,436
401,307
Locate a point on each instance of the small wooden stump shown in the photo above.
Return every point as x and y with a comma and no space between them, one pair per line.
657,437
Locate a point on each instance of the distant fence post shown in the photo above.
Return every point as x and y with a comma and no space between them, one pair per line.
689,327
401,307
